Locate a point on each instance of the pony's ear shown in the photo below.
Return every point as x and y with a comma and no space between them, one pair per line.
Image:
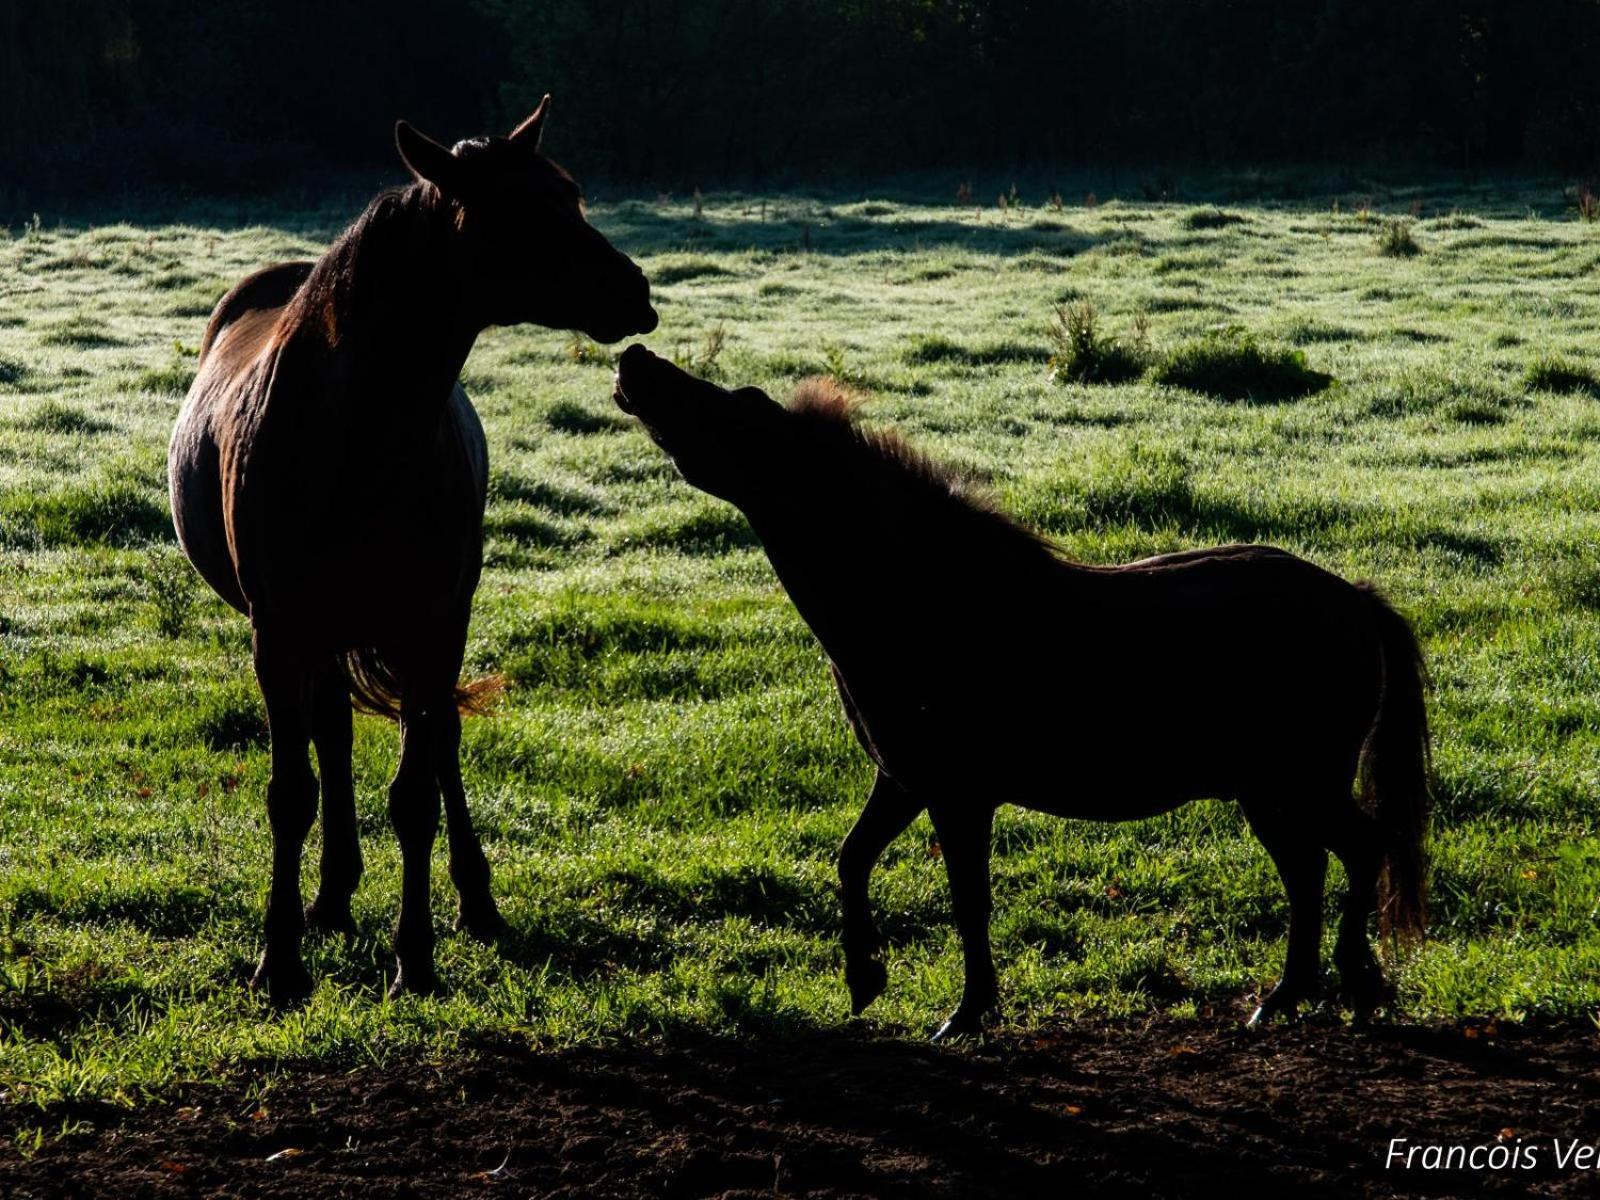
426,158
531,131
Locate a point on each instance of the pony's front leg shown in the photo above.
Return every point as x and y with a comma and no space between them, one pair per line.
888,811
414,813
285,679
965,831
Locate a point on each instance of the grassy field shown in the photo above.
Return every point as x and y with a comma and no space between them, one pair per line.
662,790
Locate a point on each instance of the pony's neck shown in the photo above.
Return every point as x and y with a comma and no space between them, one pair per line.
844,584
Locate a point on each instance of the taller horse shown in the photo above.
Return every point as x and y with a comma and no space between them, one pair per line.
328,479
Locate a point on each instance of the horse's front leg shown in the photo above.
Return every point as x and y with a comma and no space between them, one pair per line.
285,677
965,832
414,813
888,811
331,734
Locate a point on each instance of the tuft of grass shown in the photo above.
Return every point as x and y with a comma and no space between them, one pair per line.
1211,218
55,417
1083,354
1395,240
1553,373
78,333
171,380
113,513
12,373
683,270
1231,364
933,349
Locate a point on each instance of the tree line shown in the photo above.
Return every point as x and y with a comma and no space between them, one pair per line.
228,95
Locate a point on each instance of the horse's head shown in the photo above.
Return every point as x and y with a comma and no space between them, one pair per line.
527,247
727,443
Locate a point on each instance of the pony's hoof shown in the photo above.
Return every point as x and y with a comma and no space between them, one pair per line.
1279,1004
285,985
484,924
960,1025
414,981
866,983
327,916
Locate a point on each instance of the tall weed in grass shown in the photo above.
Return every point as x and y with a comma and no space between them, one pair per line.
1395,240
1081,353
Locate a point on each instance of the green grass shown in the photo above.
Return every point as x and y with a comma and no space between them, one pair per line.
662,790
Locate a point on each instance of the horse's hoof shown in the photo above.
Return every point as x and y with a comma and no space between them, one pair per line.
866,983
485,925
284,985
327,916
417,981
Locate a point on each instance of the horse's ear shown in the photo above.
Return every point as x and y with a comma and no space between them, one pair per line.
532,130
426,158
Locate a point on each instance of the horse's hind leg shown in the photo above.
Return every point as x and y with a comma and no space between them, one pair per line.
1303,864
285,680
965,835
888,811
1358,841
341,845
469,869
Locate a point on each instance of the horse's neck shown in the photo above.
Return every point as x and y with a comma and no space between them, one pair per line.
404,337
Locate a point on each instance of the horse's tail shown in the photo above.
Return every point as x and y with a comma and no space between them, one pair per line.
1397,776
375,687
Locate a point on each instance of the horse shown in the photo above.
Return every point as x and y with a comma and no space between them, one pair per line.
328,477
978,665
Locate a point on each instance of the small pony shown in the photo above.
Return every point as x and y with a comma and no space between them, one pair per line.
328,478
978,666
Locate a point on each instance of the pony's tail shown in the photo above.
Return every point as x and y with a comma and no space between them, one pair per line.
375,688
1397,777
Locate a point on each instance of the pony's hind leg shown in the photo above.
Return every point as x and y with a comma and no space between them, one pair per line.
1303,865
1358,841
477,913
888,811
341,845
965,835
285,681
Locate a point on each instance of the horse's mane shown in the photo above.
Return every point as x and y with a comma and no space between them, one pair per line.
364,260
940,497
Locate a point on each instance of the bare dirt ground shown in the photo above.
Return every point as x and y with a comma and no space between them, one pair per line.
1164,1108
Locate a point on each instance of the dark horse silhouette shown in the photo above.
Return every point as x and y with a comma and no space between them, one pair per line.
977,667
328,477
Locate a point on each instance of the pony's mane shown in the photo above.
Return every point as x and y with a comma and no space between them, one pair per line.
941,492
363,259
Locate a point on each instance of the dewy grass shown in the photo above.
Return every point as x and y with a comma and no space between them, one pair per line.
665,784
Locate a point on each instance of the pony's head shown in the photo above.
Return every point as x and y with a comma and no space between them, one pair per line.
721,441
527,247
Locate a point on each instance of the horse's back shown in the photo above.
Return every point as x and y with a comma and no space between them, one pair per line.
269,288
240,331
